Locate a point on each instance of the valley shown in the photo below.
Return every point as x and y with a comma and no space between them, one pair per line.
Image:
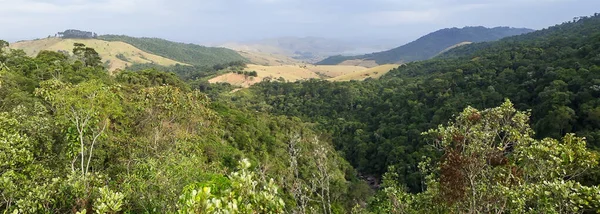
459,120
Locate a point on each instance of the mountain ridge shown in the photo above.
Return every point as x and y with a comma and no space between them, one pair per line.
430,45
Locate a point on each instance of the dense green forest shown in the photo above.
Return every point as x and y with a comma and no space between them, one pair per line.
432,44
74,139
196,77
192,54
503,127
377,124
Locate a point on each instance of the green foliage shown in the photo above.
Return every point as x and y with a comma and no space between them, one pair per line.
151,77
432,44
244,195
86,110
377,123
88,56
16,161
109,201
122,57
76,140
187,53
491,164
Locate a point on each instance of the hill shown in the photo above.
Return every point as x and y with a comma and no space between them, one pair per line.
117,55
431,44
374,72
553,72
289,73
510,126
144,142
187,53
307,49
267,59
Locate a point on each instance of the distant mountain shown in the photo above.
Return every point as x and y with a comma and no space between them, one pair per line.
187,53
310,49
431,45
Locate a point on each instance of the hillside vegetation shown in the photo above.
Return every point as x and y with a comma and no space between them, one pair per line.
431,44
511,126
117,55
187,53
74,139
293,73
377,124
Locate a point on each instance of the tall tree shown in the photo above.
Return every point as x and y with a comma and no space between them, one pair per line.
491,164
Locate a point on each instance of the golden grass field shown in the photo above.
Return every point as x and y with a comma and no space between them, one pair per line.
374,72
290,73
293,73
329,71
360,62
454,46
107,50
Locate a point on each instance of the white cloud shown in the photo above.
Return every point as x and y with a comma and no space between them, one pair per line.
195,20
430,15
40,7
390,18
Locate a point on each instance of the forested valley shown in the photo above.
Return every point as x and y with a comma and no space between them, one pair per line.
511,126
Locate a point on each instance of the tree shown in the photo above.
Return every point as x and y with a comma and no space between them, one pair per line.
16,158
88,56
3,45
491,164
86,110
244,194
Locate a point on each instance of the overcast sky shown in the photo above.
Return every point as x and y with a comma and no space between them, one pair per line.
215,21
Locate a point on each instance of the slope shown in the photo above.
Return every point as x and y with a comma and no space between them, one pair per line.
554,72
375,72
431,44
266,59
117,55
289,73
306,49
149,142
188,53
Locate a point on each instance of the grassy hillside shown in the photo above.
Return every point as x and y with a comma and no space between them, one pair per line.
375,73
117,55
289,73
454,46
432,44
327,71
188,53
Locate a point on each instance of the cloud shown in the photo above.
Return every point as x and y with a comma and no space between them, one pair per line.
40,7
198,20
390,18
430,15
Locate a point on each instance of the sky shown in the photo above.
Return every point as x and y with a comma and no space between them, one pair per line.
220,21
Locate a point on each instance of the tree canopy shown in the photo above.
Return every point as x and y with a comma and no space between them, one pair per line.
192,54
